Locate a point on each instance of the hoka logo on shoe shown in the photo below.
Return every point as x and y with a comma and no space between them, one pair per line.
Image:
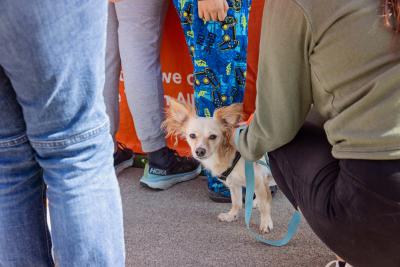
156,171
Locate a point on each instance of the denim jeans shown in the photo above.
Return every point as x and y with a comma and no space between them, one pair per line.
54,137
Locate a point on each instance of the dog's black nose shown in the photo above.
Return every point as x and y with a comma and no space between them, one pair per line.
200,152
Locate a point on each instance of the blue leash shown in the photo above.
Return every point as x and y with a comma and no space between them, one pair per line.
294,221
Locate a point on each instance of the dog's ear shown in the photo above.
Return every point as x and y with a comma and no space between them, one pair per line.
230,116
176,116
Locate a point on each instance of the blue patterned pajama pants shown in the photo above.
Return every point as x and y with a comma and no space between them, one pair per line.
219,55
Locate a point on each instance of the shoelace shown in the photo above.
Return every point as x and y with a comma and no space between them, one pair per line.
180,158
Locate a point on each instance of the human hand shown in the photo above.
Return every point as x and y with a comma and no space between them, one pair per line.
113,1
212,9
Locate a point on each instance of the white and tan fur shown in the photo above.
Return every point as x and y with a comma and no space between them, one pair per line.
211,143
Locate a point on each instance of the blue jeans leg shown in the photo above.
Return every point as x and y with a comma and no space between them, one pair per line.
56,132
25,240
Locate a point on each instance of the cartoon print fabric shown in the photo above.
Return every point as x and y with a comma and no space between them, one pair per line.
219,54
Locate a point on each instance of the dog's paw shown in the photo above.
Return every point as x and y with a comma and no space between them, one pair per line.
227,217
266,225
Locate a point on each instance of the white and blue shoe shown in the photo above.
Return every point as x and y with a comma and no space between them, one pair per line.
176,169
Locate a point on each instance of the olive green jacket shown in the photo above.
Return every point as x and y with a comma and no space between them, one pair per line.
338,56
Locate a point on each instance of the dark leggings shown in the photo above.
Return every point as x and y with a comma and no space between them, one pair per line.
353,206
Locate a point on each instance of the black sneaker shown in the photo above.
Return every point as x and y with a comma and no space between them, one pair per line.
123,158
166,168
217,191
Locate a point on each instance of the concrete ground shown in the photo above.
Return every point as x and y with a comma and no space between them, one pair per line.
179,227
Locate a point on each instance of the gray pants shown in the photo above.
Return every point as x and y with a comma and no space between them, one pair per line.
133,39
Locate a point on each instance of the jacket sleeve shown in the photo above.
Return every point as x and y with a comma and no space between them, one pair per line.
284,94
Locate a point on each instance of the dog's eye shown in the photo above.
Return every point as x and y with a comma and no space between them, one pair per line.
212,137
192,136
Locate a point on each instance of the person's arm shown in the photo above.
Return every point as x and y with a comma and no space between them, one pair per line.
212,9
283,87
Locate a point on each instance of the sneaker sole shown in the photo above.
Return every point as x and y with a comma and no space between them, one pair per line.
168,181
123,165
218,198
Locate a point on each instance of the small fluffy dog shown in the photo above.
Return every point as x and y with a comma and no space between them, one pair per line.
211,142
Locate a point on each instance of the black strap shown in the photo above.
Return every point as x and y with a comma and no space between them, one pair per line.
226,173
